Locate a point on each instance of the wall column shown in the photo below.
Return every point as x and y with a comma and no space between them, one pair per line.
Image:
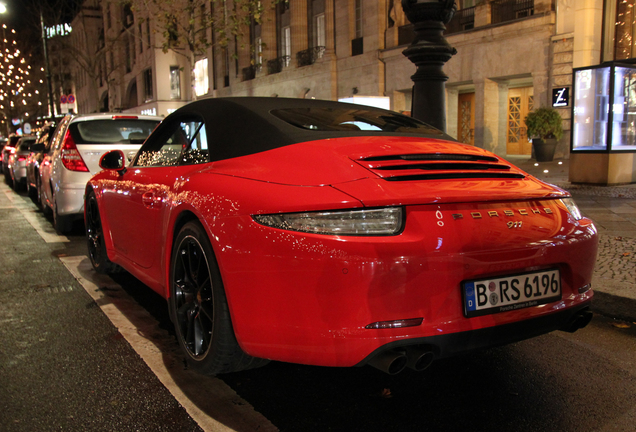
490,116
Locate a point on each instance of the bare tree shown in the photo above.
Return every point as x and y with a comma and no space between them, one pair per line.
191,27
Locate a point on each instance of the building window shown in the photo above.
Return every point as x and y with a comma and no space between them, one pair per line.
286,45
109,22
259,51
148,93
226,67
128,55
175,82
141,39
357,46
127,15
358,18
148,33
201,85
133,52
319,30
510,10
624,40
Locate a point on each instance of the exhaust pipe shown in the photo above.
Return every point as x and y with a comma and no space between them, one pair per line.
578,321
391,362
419,358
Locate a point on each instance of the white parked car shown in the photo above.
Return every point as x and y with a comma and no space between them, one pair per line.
78,144
17,162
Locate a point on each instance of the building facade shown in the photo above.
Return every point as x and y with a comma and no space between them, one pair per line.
511,56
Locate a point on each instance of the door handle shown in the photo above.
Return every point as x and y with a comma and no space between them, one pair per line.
149,199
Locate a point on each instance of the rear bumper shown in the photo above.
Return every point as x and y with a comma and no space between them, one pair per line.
69,199
448,345
322,292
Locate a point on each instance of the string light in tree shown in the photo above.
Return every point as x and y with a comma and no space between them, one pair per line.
19,89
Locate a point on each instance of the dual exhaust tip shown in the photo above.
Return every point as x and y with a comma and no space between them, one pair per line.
420,357
578,321
395,361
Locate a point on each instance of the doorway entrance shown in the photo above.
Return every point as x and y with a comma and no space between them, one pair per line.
466,118
520,103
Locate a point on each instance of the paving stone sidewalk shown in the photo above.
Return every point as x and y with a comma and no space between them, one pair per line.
613,210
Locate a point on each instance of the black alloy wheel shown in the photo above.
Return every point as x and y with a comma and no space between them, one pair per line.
95,238
198,307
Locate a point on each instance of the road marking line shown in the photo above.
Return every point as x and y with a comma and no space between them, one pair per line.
208,400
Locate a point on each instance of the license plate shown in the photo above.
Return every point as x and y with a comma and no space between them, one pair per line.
488,296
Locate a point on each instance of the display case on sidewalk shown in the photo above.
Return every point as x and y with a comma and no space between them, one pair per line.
603,139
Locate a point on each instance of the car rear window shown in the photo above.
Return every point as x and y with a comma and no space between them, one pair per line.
124,131
353,119
25,145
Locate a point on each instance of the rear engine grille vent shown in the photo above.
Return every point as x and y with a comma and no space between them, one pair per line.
438,166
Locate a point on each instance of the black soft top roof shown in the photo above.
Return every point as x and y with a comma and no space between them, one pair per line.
239,126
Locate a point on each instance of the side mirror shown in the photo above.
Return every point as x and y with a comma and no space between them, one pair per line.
113,160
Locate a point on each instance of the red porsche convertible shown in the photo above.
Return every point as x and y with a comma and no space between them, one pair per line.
334,234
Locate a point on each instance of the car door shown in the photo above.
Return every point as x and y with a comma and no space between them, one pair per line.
138,203
46,192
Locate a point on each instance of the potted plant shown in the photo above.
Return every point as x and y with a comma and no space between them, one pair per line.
545,127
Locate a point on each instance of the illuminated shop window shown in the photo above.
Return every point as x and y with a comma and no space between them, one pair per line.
604,108
201,85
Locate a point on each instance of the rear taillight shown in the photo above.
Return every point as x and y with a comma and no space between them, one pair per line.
71,158
21,158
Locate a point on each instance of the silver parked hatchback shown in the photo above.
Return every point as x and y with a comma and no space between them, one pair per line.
78,144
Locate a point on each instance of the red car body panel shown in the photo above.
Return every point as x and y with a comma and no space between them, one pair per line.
306,298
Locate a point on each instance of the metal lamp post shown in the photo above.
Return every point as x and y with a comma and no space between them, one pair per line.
47,68
429,51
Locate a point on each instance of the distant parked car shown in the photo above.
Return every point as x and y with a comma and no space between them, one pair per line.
78,144
38,150
17,162
8,148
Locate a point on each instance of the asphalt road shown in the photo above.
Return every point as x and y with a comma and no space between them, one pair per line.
88,354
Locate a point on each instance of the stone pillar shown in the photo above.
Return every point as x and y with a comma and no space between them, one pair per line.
491,116
452,109
299,35
588,26
482,14
429,52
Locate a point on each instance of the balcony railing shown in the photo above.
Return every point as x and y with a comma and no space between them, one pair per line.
464,19
309,56
249,73
276,65
509,10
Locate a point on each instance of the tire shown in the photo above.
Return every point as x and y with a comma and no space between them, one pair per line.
95,239
62,224
38,192
45,208
198,307
33,192
18,186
